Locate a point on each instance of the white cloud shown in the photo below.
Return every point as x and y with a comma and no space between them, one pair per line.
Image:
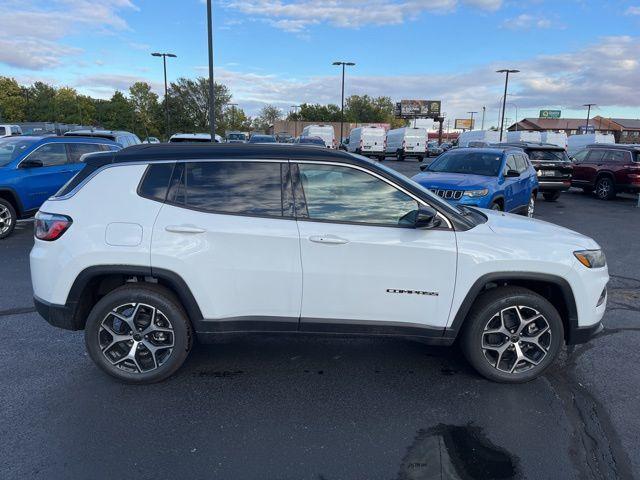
633,10
527,21
32,34
103,86
295,16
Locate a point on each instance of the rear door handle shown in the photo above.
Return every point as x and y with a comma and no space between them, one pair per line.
328,239
184,229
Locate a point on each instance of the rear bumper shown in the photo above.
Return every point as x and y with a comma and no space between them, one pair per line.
60,316
558,186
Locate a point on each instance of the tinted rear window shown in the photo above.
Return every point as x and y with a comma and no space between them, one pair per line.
156,181
241,188
548,155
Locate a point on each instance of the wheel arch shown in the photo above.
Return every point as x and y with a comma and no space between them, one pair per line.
95,282
555,289
12,197
498,198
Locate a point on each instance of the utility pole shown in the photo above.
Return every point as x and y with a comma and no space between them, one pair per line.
343,64
212,99
295,125
588,105
504,98
484,111
166,91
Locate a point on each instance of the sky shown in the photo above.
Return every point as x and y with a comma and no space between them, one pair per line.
569,52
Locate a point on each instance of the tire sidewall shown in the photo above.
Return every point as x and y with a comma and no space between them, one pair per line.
14,218
472,336
609,195
156,298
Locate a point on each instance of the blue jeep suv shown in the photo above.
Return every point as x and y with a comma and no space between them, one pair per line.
34,168
495,178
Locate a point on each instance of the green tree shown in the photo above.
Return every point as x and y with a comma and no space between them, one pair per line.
366,109
12,101
234,118
41,102
147,110
119,113
269,114
316,113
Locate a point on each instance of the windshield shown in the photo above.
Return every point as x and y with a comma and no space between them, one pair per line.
548,155
12,148
471,163
236,136
262,139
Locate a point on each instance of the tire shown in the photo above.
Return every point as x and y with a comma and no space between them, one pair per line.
521,359
399,156
605,188
551,196
531,206
496,206
171,328
381,158
8,218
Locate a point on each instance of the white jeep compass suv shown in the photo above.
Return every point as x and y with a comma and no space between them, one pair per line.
155,245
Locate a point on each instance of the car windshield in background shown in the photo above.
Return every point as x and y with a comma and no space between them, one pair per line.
548,155
262,139
236,136
12,148
472,163
312,140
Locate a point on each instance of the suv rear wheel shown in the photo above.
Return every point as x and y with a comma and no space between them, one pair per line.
605,189
138,334
399,156
512,335
8,218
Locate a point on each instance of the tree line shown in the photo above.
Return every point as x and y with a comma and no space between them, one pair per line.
141,111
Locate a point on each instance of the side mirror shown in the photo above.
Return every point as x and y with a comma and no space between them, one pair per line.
31,164
426,218
512,174
423,166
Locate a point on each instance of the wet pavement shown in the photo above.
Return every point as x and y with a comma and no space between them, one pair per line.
310,407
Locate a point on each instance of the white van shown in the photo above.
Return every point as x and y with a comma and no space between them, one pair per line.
10,130
368,141
194,138
524,136
407,142
555,138
575,143
325,132
478,138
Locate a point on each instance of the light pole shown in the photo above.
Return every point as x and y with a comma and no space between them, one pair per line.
166,91
504,98
484,111
343,64
212,100
588,105
472,114
295,125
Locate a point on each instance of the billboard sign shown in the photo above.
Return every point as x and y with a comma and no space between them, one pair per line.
464,124
550,113
418,108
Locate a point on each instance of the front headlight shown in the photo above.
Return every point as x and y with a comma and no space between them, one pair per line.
591,258
476,193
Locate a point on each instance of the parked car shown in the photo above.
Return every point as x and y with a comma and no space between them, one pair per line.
485,137
552,164
407,142
325,132
236,137
198,241
262,139
433,149
493,178
607,169
368,141
124,139
524,136
151,140
446,146
34,168
9,130
310,141
194,138
284,137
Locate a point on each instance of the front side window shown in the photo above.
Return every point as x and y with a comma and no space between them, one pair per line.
241,188
76,150
521,162
511,164
581,156
343,194
51,154
597,156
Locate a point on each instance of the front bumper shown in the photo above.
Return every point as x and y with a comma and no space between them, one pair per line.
60,316
578,335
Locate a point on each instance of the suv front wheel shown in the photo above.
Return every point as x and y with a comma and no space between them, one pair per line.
8,218
512,335
138,333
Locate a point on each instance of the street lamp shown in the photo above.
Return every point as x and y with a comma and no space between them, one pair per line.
343,64
295,125
472,114
212,99
588,105
504,98
166,92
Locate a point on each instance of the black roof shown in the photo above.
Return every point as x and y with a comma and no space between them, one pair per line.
523,145
218,151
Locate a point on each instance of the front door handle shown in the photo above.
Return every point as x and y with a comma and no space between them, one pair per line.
184,229
328,239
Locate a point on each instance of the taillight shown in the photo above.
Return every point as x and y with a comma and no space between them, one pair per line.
51,226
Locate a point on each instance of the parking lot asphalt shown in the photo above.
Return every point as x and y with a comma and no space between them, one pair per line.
308,407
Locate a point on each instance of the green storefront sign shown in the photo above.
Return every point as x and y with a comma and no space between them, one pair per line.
550,113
